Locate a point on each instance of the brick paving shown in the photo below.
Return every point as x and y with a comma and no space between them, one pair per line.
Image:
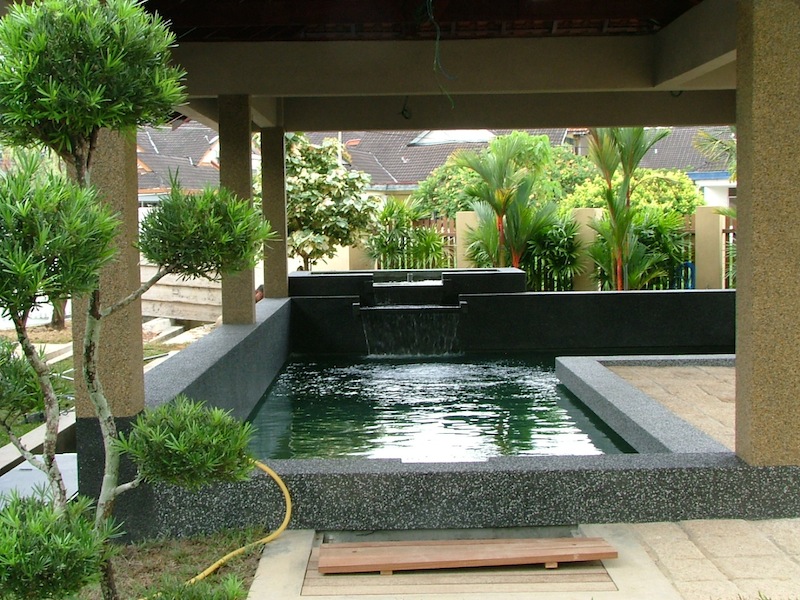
721,559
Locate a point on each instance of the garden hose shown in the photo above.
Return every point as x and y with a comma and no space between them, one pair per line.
288,500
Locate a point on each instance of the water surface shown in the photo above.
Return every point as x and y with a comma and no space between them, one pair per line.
453,409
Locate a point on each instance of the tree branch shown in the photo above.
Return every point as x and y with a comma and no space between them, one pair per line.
135,295
121,489
24,452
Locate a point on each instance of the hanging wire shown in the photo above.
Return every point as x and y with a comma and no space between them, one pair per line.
438,69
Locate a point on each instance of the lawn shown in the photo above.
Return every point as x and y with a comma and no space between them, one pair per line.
141,568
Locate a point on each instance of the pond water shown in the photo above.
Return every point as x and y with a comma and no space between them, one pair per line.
436,410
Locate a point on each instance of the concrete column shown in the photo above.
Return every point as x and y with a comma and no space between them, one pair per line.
709,248
235,173
586,235
273,205
120,355
465,220
768,241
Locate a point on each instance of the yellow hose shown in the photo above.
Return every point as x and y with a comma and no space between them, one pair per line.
288,500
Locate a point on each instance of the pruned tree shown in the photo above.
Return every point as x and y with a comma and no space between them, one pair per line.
70,69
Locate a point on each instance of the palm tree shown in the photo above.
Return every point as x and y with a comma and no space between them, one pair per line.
718,147
612,149
502,167
526,221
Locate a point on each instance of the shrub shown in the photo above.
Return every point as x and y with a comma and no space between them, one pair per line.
176,233
395,243
46,552
186,444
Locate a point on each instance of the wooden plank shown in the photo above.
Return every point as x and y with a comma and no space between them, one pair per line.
580,577
449,554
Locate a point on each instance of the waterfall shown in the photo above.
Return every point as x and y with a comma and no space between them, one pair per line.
411,330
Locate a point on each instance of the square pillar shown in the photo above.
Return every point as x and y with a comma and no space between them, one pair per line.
120,355
466,220
768,241
586,236
273,206
709,248
235,173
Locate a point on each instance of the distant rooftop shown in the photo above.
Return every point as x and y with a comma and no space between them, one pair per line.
394,159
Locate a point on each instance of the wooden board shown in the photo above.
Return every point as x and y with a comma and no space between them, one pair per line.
387,557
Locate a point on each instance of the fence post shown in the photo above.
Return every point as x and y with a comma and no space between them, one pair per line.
465,220
709,248
586,235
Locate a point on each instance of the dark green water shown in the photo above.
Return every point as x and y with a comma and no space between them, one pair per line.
441,410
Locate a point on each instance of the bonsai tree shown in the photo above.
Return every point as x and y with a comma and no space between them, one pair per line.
70,69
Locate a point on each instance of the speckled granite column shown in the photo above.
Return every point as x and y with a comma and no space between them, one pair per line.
768,262
273,204
114,174
235,173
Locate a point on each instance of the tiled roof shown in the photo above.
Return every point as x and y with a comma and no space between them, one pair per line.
163,150
390,159
676,151
388,156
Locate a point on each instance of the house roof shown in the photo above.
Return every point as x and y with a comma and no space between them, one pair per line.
677,151
187,151
392,158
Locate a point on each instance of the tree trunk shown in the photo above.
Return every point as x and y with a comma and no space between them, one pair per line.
108,583
58,320
52,415
501,245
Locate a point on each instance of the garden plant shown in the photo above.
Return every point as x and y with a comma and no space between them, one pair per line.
396,242
613,150
326,203
69,70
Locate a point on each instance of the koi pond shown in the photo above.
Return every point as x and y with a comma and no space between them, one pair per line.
443,409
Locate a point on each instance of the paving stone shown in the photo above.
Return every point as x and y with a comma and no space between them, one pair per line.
707,590
734,528
785,533
732,546
661,530
774,590
690,569
775,567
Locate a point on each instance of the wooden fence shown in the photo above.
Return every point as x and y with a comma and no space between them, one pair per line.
446,228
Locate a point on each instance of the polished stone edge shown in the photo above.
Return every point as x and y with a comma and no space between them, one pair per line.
231,366
643,422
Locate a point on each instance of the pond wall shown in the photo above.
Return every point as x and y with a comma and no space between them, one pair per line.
233,366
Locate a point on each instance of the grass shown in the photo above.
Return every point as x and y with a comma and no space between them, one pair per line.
140,568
